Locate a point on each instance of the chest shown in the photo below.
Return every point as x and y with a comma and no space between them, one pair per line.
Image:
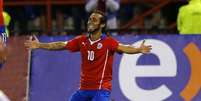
93,51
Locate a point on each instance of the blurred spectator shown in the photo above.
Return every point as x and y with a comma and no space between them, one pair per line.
151,24
189,18
68,18
59,21
78,15
155,22
127,10
112,6
35,19
7,19
26,19
58,18
20,22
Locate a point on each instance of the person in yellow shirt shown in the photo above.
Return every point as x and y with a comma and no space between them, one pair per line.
7,20
189,18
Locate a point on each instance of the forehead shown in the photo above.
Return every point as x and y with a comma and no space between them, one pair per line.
95,15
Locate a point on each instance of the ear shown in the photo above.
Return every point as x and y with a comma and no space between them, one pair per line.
102,25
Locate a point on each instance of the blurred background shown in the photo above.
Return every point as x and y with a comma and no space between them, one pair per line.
63,17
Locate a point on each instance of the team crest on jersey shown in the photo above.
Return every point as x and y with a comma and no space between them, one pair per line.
99,46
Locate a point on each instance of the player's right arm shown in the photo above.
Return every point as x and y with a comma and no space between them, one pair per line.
34,43
129,49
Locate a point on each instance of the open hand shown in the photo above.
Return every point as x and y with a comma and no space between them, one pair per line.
145,49
32,42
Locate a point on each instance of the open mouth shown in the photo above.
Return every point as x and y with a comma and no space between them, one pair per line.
90,26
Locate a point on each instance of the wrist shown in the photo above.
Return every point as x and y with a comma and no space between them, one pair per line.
39,45
139,50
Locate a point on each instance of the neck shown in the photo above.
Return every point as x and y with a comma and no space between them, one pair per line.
95,35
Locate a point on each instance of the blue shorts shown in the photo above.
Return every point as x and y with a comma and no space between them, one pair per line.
3,33
2,29
91,95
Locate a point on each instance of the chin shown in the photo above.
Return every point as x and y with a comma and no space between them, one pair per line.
93,30
90,30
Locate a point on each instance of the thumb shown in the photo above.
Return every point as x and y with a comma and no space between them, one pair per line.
142,43
35,38
30,38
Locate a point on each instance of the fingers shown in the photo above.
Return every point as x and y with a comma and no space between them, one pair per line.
30,43
149,46
27,45
146,49
33,37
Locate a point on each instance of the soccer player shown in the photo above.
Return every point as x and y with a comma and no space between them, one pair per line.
3,97
97,51
3,36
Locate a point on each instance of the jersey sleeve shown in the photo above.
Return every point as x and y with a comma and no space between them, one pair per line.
73,45
113,44
1,13
3,35
2,27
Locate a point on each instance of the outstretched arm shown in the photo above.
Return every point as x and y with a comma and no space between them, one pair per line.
128,49
33,43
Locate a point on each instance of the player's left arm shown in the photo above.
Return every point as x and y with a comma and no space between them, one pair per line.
129,49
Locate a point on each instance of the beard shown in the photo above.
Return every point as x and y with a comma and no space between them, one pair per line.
92,28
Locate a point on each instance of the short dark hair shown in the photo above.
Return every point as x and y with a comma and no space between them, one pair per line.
103,18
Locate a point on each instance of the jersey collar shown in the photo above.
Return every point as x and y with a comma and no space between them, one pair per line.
103,36
92,42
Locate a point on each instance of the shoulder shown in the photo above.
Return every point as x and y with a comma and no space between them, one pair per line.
188,8
183,8
110,38
81,37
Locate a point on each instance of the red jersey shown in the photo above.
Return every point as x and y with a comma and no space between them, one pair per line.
1,13
97,60
2,27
